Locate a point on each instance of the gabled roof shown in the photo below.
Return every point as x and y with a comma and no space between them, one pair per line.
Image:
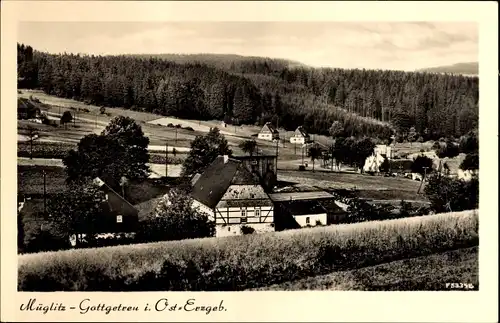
101,184
218,176
301,132
269,127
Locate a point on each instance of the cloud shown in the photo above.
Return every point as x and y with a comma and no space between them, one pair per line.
387,45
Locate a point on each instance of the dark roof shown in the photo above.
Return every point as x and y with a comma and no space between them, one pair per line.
331,206
103,186
270,127
300,131
216,179
303,207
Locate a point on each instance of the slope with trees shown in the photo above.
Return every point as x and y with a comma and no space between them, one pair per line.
254,90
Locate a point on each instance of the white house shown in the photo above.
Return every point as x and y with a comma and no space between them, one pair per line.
300,136
383,150
233,197
268,132
373,163
306,212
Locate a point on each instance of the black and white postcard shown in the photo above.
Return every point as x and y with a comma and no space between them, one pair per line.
248,161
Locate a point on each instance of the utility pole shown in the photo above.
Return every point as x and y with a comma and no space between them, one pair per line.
176,136
166,160
44,194
423,179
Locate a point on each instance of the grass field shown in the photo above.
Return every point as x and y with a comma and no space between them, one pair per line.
420,273
249,261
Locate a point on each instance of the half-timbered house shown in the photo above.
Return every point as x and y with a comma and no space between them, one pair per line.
233,197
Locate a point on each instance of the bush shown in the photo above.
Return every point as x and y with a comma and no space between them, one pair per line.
450,195
188,128
170,125
249,261
247,230
178,126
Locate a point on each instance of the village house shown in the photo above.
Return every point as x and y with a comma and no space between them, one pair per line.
384,151
300,136
27,110
233,197
268,132
302,205
118,217
305,212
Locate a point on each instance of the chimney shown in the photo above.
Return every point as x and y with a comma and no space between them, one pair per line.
226,158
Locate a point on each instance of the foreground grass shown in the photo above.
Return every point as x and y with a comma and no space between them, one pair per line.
422,273
251,261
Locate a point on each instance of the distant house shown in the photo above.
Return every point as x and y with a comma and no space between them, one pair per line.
300,136
26,109
268,132
400,166
233,197
119,215
383,150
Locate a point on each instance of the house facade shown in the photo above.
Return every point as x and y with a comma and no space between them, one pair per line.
305,213
118,214
300,136
233,198
268,132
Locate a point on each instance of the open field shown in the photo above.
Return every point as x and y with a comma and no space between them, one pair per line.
159,135
248,261
421,273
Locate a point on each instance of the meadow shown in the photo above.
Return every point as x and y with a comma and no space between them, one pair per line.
249,261
431,272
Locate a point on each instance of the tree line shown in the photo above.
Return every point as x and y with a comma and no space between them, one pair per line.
254,91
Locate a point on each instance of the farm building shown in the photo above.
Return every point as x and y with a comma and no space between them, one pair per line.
268,132
300,136
304,197
26,109
400,166
233,197
264,166
304,212
119,215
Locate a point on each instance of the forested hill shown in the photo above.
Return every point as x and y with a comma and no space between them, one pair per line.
471,68
261,90
231,62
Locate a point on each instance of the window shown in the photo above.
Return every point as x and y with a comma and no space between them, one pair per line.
257,212
228,228
243,220
308,220
243,215
119,219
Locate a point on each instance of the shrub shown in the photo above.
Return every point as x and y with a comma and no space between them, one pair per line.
189,128
102,110
448,194
247,230
170,125
249,261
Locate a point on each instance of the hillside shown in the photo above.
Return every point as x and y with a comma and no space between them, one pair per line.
223,61
251,91
471,69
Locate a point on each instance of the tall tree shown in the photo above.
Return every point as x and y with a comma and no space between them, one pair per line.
248,146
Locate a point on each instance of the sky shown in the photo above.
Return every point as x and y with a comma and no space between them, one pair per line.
389,45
